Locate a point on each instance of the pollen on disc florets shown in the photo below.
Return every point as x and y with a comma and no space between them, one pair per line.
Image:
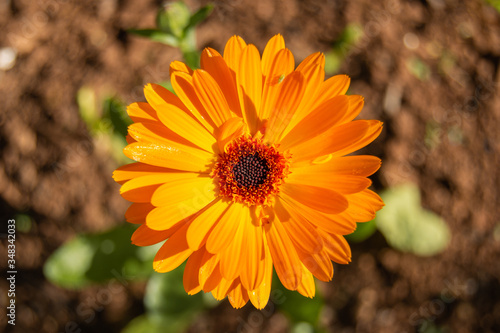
250,171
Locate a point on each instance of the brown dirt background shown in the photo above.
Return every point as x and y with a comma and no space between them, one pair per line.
51,170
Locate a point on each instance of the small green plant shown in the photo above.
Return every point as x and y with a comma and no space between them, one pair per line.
168,308
96,258
175,26
407,226
106,120
418,68
433,133
350,36
495,4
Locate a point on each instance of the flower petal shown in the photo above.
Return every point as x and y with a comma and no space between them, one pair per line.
363,205
372,132
285,258
155,132
222,289
253,265
281,66
170,155
289,97
356,103
172,114
321,119
318,198
260,296
337,248
307,287
343,184
331,223
176,210
184,89
275,44
238,297
313,69
372,198
214,64
140,112
137,212
141,189
359,165
230,130
232,53
319,264
249,82
145,236
211,97
301,232
190,278
232,256
200,227
334,86
179,66
182,191
134,170
332,141
173,253
209,274
223,233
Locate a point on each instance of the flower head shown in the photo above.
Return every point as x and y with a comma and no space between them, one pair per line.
244,169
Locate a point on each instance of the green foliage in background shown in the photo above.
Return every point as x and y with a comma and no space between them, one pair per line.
495,4
24,222
106,120
169,308
364,230
96,258
418,68
175,26
349,38
302,312
407,226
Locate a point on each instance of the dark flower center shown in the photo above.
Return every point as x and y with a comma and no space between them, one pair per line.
250,171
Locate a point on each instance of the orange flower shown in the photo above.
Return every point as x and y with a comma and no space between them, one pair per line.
243,169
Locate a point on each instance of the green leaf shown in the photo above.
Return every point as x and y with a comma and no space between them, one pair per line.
495,4
302,327
157,36
173,19
167,85
67,266
418,68
115,110
96,258
350,36
142,324
200,15
169,308
297,307
165,295
86,100
407,226
192,58
149,324
23,222
363,231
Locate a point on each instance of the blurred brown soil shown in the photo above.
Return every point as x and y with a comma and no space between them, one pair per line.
51,169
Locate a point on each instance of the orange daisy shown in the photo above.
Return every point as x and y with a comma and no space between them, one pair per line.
244,170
